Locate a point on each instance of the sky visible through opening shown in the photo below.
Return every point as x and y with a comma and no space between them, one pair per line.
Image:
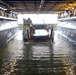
39,19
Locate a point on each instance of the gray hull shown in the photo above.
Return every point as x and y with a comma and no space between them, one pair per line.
8,28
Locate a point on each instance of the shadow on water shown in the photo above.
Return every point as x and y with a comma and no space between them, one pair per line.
35,40
39,59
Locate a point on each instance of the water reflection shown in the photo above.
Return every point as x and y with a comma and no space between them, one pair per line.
9,55
37,58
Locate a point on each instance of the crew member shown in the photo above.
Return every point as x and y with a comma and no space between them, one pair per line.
32,29
52,34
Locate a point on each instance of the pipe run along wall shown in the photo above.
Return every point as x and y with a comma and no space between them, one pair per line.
8,28
67,29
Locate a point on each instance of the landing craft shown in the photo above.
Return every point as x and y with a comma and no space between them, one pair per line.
35,30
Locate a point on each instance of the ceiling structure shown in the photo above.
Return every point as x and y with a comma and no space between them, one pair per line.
38,6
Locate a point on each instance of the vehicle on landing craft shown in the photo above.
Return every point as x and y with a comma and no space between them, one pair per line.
41,31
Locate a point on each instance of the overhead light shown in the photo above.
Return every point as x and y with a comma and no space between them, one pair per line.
66,8
72,8
74,4
70,4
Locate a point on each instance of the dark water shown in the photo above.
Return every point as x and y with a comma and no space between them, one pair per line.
37,58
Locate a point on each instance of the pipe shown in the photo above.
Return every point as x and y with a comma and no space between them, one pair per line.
42,1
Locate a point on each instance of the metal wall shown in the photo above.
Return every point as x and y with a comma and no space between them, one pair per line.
8,28
67,30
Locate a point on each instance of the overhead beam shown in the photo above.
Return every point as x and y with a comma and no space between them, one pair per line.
51,8
44,5
5,4
25,6
41,3
35,6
